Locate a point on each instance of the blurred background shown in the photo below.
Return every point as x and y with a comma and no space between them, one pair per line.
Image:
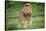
12,13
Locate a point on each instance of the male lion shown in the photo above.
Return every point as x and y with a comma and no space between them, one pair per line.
26,15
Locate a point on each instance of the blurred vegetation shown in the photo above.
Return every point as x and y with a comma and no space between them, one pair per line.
13,9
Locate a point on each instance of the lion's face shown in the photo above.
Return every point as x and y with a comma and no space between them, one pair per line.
26,10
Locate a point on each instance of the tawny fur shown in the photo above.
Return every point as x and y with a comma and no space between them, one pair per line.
26,15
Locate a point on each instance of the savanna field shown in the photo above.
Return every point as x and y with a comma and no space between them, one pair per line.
12,13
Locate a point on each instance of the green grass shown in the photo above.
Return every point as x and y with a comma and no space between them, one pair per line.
37,22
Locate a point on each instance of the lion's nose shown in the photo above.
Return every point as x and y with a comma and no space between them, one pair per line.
27,11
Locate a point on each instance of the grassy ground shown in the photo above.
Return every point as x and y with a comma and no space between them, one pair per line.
37,22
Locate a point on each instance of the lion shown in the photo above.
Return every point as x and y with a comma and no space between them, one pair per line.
26,15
